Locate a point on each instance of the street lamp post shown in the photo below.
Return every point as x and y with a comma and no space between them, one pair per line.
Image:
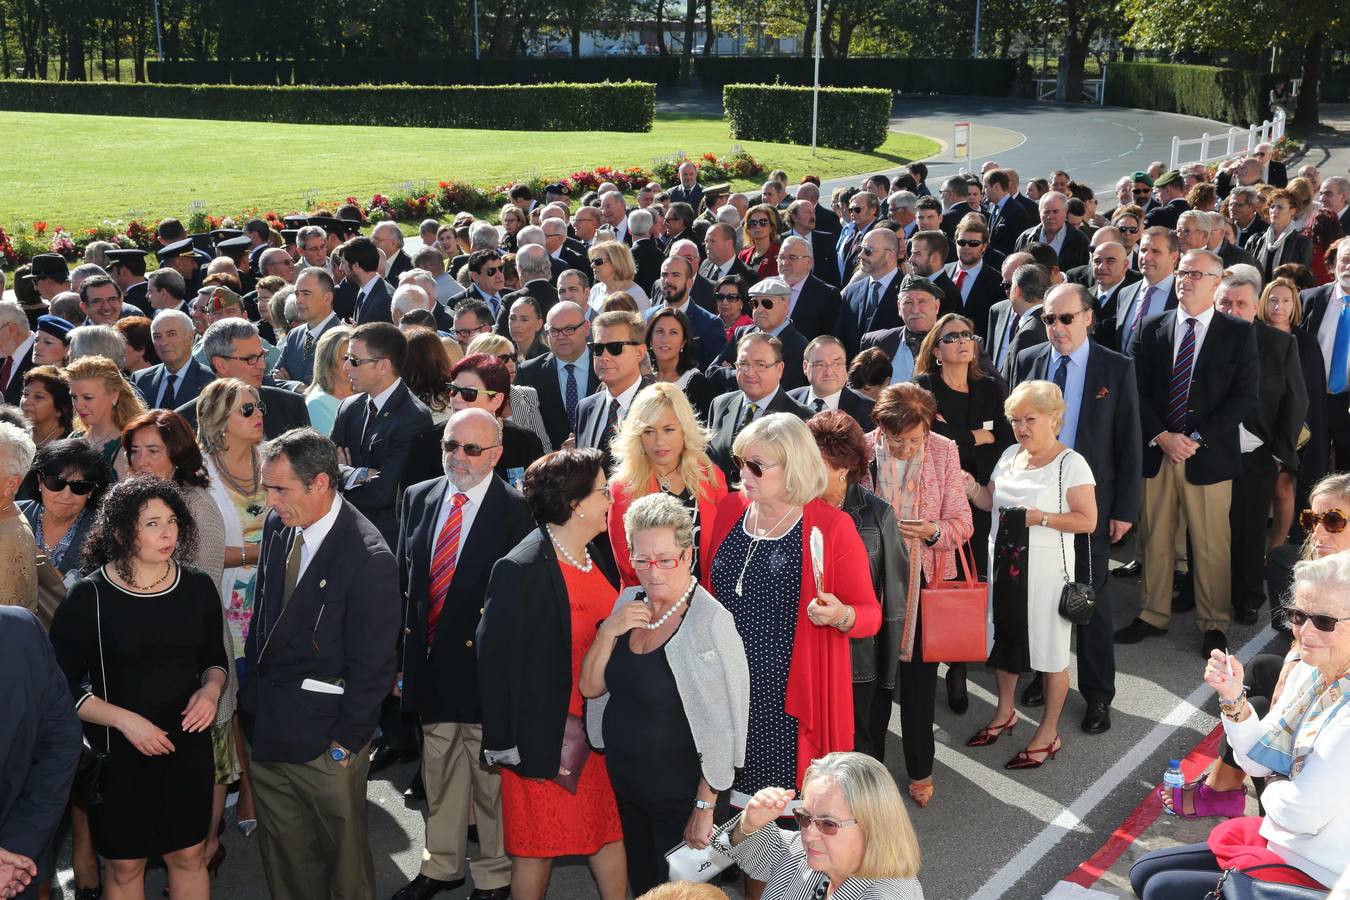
815,91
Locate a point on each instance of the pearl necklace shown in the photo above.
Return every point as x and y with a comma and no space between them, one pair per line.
567,556
652,626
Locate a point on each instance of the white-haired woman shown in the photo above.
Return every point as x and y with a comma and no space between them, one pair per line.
18,548
1044,494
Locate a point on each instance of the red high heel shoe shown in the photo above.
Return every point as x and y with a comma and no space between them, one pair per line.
1025,759
986,736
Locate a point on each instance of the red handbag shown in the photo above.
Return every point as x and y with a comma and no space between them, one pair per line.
956,616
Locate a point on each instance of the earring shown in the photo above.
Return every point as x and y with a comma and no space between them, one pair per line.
580,514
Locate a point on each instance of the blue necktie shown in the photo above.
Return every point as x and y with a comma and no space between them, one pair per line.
1062,374
1340,352
570,397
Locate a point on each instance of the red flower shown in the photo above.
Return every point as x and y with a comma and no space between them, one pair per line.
1102,393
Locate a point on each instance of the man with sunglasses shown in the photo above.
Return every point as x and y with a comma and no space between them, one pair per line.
769,302
1007,218
452,530
975,273
862,211
618,346
679,223
872,303
486,280
234,349
814,304
759,375
373,293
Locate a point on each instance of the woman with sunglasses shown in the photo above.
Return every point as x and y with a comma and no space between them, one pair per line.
545,602
613,269
672,691
670,341
482,381
733,303
46,403
105,402
759,240
1129,221
524,399
853,830
1300,747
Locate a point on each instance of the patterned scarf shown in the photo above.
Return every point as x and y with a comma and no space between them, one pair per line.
898,484
1285,747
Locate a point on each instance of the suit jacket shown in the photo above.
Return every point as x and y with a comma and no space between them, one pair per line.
375,307
1108,434
826,220
648,258
817,309
950,219
825,264
149,381
1007,225
1084,275
1166,215
709,271
1073,252
1111,333
679,194
285,410
298,366
1224,381
1231,254
1255,228
1298,248
344,299
984,293
1281,397
849,248
397,266
544,293
710,336
794,349
850,401
703,293
541,374
951,294
13,391
858,316
138,295
386,447
440,682
353,644
1030,332
1277,175
727,411
591,414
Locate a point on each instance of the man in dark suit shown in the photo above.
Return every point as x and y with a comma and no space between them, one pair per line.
688,190
1015,324
373,293
719,246
618,347
563,376
703,291
1108,274
614,213
1325,318
1273,172
178,378
16,349
927,256
314,295
802,223
759,373
1007,218
918,304
1269,438
127,268
389,238
825,218
562,256
1155,293
679,223
769,303
235,350
1101,422
1029,207
827,383
871,303
453,529
647,255
709,336
1171,190
1247,222
863,211
975,274
954,195
486,280
1334,195
1070,244
1198,372
310,696
532,262
814,308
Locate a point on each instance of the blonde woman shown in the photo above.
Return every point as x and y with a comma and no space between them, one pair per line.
661,447
330,387
105,403
613,269
513,219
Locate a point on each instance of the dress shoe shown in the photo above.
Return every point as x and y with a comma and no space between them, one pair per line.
500,893
422,888
1027,759
1034,694
416,789
1131,569
1136,631
1097,719
957,697
1214,639
383,757
1244,616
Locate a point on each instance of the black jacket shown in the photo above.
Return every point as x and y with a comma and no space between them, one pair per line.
376,305
984,293
541,373
817,309
877,658
1073,252
1281,397
727,411
1298,248
1007,225
857,405
858,314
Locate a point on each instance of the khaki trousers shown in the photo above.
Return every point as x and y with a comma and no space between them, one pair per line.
312,828
1171,503
455,777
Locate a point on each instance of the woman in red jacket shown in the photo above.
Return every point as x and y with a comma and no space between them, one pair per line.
759,240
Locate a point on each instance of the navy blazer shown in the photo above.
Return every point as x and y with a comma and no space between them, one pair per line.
352,644
387,448
299,367
858,316
195,377
984,293
850,401
1111,332
440,683
13,391
376,305
1073,252
817,309
541,373
709,334
1007,225
726,414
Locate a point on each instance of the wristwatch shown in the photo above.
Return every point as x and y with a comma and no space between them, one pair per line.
937,535
1045,520
702,804
337,754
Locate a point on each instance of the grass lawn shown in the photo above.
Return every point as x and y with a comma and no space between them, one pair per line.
76,171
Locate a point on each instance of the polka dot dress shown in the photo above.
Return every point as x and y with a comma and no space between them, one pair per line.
766,618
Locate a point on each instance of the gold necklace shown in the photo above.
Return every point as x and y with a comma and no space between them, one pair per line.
146,588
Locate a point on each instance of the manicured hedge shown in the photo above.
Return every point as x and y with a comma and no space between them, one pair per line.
1236,96
629,106
850,118
973,77
656,69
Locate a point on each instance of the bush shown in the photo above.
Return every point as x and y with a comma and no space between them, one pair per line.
1235,96
974,77
712,168
659,70
850,118
629,106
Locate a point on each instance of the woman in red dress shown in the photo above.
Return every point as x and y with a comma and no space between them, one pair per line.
545,602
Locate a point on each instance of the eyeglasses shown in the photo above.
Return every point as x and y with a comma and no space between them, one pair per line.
1128,229
357,362
1196,274
792,257
1006,285
1333,520
757,223
967,243
730,298
463,333
856,209
761,302
251,360
506,357
472,451
1140,191
868,251
248,408
753,466
1062,318
827,827
563,330
1298,618
746,366
470,394
665,563
952,337
56,484
613,348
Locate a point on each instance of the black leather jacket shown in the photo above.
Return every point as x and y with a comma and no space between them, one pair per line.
876,658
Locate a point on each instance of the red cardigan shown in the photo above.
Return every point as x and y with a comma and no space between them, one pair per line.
707,514
820,676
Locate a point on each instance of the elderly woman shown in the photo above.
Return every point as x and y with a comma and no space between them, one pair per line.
1044,493
483,381
670,340
330,387
674,692
140,353
1302,746
661,448
918,473
843,449
18,551
98,340
545,602
614,270
524,399
71,478
795,608
46,404
759,240
855,838
1281,242
144,634
105,403
51,341
733,303
525,324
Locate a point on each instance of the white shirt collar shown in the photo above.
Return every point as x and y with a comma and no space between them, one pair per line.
313,535
22,351
626,398
475,493
884,281
1202,319
831,401
317,330
383,396
178,373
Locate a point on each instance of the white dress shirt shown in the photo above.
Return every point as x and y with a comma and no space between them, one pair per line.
311,538
467,513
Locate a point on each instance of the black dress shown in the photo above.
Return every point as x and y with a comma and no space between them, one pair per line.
156,648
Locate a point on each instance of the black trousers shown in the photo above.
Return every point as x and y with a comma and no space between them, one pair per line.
871,718
1338,426
650,828
1175,873
915,691
1096,649
1253,491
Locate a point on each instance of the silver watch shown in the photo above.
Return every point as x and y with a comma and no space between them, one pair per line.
702,804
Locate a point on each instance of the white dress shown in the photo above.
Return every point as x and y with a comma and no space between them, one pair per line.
1048,632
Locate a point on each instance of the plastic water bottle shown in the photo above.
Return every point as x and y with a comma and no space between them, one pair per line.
1172,778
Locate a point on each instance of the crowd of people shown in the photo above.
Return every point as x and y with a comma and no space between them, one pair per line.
627,519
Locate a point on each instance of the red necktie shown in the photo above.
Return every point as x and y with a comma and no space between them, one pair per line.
960,278
5,371
443,562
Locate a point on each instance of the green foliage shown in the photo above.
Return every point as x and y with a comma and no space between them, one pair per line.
1229,95
850,118
629,106
591,70
975,77
712,169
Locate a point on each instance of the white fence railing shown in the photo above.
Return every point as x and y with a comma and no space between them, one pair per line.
1235,140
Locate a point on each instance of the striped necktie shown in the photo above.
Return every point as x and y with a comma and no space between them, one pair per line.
443,563
1180,387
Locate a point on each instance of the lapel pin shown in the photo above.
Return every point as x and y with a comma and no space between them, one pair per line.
323,582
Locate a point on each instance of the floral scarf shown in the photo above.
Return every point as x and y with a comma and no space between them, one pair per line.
897,482
1285,747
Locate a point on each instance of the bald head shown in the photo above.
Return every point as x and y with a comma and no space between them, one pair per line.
1109,264
1013,262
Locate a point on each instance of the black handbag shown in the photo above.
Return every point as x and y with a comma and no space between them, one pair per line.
90,771
1235,884
1078,601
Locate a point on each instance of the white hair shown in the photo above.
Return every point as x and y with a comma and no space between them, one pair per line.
484,236
176,315
1239,274
729,215
16,450
640,223
11,313
530,234
1051,195
99,340
409,297
1328,572
419,278
392,228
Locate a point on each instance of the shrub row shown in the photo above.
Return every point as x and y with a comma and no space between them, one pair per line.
629,106
850,118
656,69
1235,96
973,77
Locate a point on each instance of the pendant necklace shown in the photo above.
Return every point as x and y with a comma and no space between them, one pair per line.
754,543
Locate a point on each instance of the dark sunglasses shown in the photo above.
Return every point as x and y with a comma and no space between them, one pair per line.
1298,618
56,484
471,450
1126,229
493,271
762,302
248,408
970,243
1006,285
954,336
599,261
1140,191
754,468
613,348
827,827
470,394
729,297
757,223
1062,318
1333,520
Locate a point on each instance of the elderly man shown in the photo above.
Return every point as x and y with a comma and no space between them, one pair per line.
16,350
562,256
1110,273
234,349
1334,195
1172,199
1247,219
1193,230
49,274
313,244
827,388
901,208
1101,422
585,222
871,303
1273,172
532,263
679,224
769,304
815,303
709,337
919,304
1230,253
647,255
389,238
801,215
863,212
563,376
101,301
826,220
759,375
178,378
1015,324
482,236
409,297
614,214
719,244
472,318
1070,244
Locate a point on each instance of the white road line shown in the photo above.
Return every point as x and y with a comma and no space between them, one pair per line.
1068,819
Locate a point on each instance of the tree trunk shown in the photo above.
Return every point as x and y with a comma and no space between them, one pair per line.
708,35
687,51
809,38
661,27
1305,113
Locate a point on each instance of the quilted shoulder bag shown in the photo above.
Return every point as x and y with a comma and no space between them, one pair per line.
1078,601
